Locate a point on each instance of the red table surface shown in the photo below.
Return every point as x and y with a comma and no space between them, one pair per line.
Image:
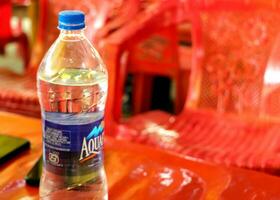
137,172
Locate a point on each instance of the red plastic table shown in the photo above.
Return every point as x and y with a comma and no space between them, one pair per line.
138,172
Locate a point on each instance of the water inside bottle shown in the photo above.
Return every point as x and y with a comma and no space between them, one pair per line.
73,96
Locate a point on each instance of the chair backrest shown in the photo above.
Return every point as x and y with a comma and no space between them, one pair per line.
158,49
232,41
5,20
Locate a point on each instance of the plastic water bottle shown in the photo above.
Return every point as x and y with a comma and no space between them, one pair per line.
72,87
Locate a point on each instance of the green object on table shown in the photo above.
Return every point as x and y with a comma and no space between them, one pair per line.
11,146
34,175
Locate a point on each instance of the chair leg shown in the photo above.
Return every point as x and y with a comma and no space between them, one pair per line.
147,93
24,47
2,50
142,89
181,84
3,43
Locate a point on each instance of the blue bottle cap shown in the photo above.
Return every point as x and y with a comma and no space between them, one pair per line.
71,20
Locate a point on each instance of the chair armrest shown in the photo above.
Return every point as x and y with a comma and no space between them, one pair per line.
160,14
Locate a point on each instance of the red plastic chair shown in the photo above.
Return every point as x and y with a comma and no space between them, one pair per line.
220,123
146,46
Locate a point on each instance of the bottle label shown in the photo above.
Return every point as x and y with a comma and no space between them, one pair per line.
73,149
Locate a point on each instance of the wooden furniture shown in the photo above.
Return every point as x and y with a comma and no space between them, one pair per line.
138,172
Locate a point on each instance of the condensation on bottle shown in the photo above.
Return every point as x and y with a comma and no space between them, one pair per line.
72,86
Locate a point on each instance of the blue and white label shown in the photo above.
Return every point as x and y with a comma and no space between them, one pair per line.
73,149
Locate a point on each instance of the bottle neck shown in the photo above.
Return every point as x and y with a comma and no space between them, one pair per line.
72,34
